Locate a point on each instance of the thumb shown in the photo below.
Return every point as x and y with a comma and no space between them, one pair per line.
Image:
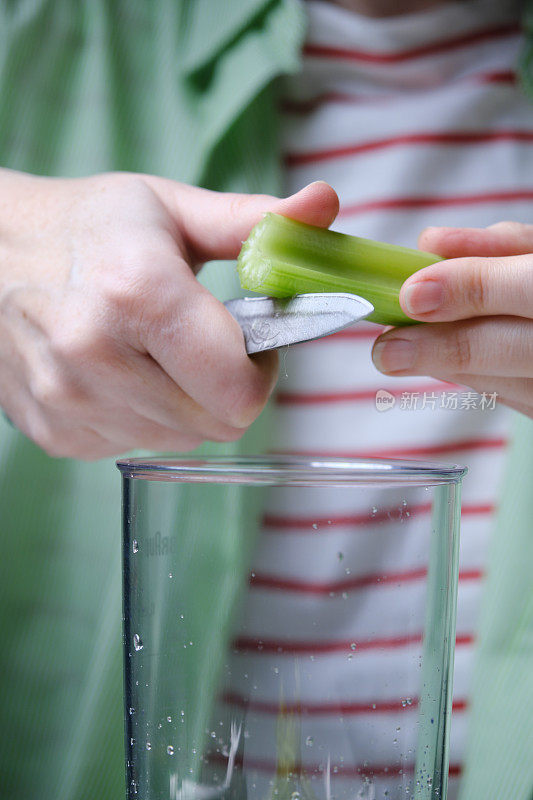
215,224
502,239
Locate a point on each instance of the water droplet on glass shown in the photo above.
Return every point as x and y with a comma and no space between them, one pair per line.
374,510
170,750
315,527
340,556
170,575
132,742
137,642
131,710
309,741
408,701
344,595
148,746
135,546
181,616
353,646
169,719
275,670
367,790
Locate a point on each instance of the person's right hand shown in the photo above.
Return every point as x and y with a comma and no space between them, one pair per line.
107,340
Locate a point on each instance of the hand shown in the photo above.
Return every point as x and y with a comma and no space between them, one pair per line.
480,308
107,340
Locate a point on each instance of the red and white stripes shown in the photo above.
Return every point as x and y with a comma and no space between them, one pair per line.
448,45
415,121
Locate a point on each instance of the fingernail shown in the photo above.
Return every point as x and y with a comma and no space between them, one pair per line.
394,355
423,296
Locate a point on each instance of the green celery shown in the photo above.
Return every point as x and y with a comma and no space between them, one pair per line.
282,257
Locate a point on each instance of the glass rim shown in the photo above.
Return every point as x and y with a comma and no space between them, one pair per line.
288,470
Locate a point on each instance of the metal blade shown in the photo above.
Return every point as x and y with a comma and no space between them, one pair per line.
269,322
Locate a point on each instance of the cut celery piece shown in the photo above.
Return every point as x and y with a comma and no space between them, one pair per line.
282,257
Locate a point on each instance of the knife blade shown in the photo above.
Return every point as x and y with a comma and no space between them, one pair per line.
270,322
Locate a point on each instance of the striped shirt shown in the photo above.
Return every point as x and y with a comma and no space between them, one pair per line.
415,121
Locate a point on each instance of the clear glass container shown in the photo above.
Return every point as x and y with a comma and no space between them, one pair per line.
289,627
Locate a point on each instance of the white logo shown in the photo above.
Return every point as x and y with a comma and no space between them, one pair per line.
384,400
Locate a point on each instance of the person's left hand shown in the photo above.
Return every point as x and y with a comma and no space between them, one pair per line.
480,308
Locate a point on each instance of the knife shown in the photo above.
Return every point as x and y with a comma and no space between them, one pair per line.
270,322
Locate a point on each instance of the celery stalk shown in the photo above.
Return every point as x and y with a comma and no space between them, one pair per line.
282,257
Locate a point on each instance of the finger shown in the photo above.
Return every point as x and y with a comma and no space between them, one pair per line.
59,440
145,435
49,431
501,346
522,408
215,224
200,346
517,393
154,398
124,426
132,404
501,239
106,436
90,442
106,382
470,287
